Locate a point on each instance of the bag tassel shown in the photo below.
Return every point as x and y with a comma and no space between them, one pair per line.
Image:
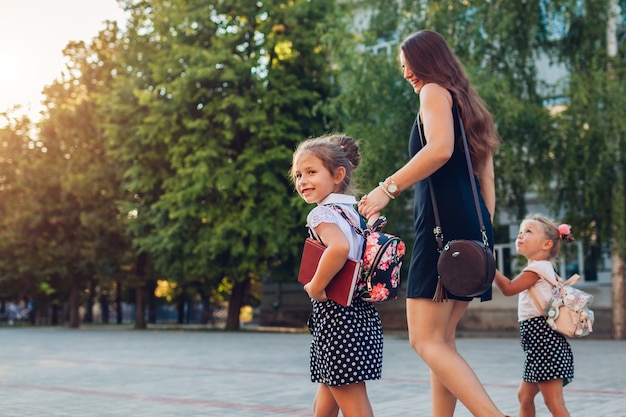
440,293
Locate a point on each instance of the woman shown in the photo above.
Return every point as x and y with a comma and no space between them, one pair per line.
436,74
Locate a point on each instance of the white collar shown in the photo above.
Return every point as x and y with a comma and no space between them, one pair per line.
335,198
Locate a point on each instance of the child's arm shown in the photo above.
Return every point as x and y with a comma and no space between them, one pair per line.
372,219
518,284
331,262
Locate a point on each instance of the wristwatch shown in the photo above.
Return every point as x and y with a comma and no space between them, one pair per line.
391,187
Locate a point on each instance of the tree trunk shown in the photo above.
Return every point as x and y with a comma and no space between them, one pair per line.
207,310
190,313
236,302
141,292
152,301
74,304
90,302
180,311
54,316
104,306
119,319
618,296
140,314
180,306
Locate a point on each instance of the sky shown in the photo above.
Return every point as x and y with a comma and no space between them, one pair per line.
33,34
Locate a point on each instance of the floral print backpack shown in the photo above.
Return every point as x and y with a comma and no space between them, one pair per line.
382,260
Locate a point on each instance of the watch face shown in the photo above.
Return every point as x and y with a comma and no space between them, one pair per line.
393,188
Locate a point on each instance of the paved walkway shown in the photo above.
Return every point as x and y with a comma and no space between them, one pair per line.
108,373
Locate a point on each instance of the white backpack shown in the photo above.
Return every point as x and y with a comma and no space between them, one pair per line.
568,310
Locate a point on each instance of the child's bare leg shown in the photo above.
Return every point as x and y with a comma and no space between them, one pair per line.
324,404
353,400
526,396
552,392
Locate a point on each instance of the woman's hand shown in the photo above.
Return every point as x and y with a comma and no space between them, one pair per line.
373,203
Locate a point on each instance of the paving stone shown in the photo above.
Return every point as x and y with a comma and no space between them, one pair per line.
112,372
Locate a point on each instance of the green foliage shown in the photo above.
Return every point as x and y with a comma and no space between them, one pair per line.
206,127
175,135
380,117
589,155
579,153
63,227
497,45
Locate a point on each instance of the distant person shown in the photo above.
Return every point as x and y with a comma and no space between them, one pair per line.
347,345
445,95
549,363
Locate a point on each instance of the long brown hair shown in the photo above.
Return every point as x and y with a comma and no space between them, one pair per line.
431,59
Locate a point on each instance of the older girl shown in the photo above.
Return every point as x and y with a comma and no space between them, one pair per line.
347,346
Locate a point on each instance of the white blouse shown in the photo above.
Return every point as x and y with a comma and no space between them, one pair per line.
324,214
526,307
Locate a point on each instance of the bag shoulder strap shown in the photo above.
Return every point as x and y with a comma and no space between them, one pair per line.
357,229
438,231
542,274
338,209
532,291
559,283
364,230
533,294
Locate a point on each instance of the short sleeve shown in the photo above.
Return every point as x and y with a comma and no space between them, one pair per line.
544,269
321,214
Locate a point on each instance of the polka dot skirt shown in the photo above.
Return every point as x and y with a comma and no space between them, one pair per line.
347,345
548,353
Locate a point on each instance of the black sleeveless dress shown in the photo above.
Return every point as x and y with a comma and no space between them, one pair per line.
457,213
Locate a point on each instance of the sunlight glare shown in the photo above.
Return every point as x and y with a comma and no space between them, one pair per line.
17,75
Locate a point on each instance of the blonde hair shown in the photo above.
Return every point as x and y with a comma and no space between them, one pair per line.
551,231
334,150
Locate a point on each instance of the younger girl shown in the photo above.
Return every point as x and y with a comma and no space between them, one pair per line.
347,346
549,363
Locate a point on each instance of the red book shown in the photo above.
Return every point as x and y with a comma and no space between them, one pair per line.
341,288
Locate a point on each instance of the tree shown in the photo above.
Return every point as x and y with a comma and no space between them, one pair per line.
17,205
574,161
63,190
587,159
88,183
207,126
500,59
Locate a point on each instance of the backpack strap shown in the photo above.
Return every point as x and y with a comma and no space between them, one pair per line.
571,280
559,283
315,236
532,291
364,230
533,294
555,283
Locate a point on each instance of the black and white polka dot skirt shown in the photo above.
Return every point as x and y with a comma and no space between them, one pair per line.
548,353
347,345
